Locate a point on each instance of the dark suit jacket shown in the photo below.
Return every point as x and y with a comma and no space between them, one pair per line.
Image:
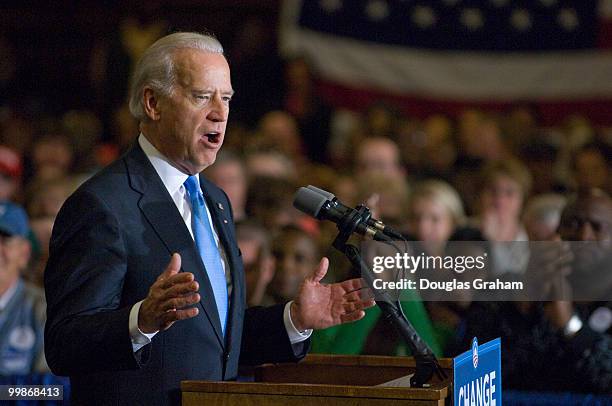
111,240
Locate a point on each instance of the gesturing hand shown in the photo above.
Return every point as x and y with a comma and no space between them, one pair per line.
319,306
167,299
549,265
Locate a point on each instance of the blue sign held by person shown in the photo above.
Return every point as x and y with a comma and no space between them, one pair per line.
477,375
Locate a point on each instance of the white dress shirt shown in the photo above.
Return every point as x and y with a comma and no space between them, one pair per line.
173,180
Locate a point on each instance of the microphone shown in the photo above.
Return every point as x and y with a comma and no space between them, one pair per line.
324,205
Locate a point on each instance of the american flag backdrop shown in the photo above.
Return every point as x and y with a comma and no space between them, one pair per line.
445,55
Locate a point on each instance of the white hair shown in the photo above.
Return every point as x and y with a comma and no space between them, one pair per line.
156,67
545,208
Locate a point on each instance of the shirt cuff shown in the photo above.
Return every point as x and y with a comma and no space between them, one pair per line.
139,339
572,327
295,336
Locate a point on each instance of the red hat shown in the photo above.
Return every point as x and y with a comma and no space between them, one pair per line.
10,162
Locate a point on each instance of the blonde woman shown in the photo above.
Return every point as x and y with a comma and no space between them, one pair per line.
434,211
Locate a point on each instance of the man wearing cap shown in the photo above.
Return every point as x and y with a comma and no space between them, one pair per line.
22,306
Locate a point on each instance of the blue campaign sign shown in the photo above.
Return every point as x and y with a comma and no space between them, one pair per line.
477,375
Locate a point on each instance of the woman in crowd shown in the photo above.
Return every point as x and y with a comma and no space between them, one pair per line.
435,211
505,185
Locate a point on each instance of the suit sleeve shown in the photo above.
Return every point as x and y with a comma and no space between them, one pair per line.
265,339
86,329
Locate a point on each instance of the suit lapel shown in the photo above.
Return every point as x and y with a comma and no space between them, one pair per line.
160,211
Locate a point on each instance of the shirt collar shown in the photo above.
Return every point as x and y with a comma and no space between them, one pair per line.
171,177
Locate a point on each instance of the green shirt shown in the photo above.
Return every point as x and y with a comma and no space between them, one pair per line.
350,338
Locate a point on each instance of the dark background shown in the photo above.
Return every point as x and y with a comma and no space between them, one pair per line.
54,44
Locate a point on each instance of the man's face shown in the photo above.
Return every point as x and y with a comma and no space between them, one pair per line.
378,157
191,122
295,257
230,177
589,220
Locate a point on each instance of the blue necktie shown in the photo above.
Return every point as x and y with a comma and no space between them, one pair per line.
205,241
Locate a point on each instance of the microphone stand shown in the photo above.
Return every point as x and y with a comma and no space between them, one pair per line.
426,362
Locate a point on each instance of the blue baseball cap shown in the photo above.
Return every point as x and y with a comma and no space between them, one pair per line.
13,220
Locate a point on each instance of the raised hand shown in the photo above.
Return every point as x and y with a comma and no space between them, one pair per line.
549,265
168,299
319,306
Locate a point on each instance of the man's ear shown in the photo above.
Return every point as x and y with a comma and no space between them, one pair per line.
150,104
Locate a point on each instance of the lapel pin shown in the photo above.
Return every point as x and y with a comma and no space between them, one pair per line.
220,206
224,221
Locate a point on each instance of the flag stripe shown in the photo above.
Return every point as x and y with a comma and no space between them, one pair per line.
465,75
360,57
550,112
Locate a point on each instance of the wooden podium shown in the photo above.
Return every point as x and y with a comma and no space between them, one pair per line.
323,380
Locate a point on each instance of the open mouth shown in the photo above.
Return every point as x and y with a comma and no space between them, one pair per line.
213,137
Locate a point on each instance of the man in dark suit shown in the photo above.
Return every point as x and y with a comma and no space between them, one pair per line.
144,284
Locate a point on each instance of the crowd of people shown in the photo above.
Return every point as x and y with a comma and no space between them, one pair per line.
480,176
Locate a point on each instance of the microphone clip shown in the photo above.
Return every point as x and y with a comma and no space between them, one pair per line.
350,221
